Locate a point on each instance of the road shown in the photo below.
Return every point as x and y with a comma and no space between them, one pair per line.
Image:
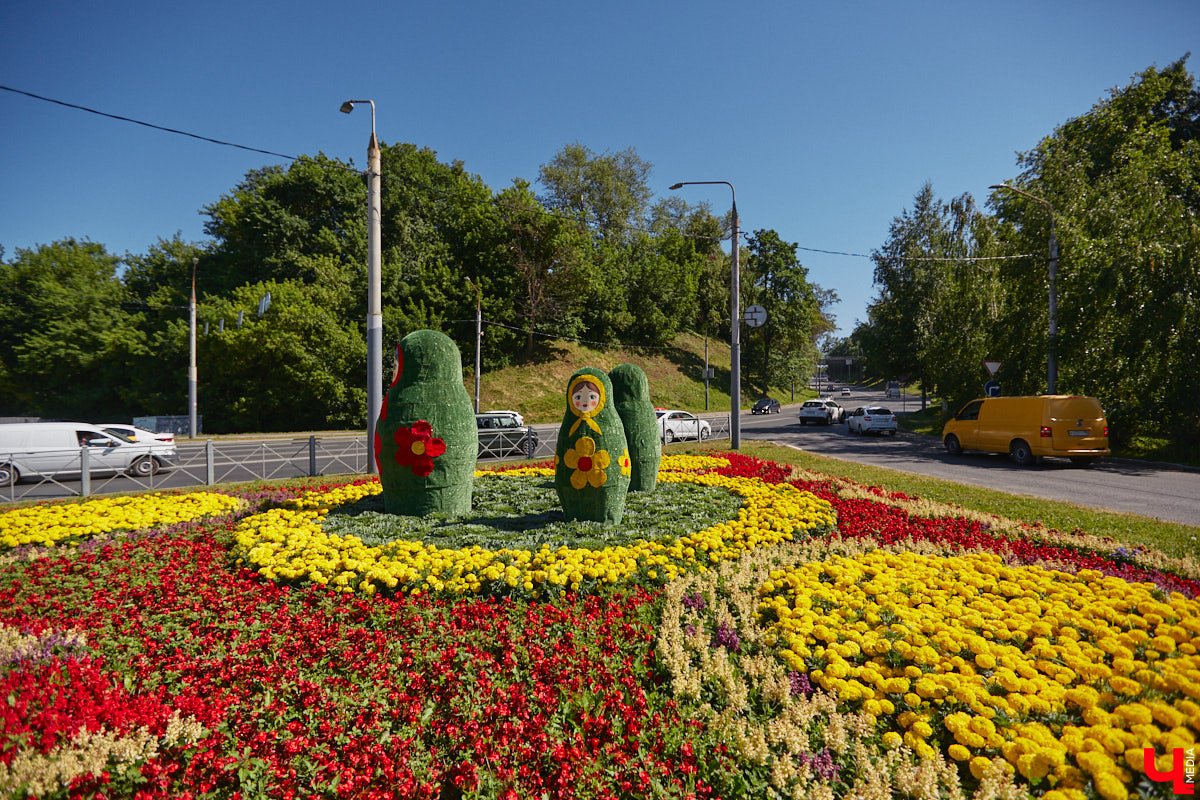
1155,491
1151,490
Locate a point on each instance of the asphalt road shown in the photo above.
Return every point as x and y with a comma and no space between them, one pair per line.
1158,491
1151,490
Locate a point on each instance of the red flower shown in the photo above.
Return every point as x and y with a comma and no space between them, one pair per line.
417,448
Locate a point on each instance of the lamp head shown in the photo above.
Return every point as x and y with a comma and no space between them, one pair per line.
675,186
347,106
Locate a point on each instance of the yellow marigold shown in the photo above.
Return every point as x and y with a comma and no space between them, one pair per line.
958,752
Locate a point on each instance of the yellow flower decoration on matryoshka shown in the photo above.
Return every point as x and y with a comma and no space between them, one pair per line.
626,463
585,399
588,462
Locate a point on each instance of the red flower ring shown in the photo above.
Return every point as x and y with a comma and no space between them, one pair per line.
416,447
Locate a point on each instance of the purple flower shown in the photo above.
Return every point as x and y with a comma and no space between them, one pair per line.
800,684
821,764
726,637
694,601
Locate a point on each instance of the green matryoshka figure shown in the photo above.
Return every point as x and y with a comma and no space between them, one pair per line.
426,440
631,396
591,459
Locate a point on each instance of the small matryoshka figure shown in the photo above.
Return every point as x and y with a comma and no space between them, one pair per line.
426,440
631,396
591,458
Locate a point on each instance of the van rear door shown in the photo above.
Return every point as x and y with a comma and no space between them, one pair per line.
1076,423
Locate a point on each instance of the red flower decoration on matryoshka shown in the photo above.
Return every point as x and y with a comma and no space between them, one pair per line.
416,447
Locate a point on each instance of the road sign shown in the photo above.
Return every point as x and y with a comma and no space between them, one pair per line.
992,366
991,389
755,316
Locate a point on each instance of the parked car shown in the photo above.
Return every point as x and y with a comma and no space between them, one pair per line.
54,448
135,434
824,412
1028,428
871,419
503,434
674,424
765,405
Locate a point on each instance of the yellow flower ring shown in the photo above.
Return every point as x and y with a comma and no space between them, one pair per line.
49,524
290,544
1061,675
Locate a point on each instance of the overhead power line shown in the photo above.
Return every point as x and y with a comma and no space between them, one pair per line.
146,124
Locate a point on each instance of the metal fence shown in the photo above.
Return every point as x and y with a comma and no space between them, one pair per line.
229,461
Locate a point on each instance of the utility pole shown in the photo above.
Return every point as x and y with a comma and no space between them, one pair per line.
478,337
192,372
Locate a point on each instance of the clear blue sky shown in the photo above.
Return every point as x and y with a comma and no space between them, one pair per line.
826,117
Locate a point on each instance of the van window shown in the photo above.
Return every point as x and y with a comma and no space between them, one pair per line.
970,410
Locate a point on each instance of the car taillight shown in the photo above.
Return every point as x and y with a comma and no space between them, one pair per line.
1046,432
895,418
866,419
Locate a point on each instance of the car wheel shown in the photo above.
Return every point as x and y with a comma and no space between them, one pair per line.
8,475
952,445
1020,452
144,467
705,433
669,436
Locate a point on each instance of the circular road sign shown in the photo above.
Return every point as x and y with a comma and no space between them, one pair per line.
756,316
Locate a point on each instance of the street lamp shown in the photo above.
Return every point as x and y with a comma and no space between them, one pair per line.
735,324
374,282
192,373
478,335
1051,357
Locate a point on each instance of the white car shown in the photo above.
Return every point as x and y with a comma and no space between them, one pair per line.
871,419
674,424
821,412
49,449
135,434
520,419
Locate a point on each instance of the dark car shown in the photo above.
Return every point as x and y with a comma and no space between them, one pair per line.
501,435
765,405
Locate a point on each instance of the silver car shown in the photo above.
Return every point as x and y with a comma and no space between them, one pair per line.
871,419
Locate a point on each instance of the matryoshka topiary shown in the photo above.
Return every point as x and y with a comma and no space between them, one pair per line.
591,459
426,440
631,396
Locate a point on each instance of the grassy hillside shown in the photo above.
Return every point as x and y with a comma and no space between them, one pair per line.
537,388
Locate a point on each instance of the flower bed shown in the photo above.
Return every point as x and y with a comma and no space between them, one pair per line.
912,651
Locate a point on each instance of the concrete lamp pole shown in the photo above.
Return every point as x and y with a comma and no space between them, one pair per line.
478,336
192,372
374,285
1052,354
735,324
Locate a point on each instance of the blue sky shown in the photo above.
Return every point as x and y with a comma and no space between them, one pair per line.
827,118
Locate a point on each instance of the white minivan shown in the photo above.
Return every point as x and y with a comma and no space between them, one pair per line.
55,448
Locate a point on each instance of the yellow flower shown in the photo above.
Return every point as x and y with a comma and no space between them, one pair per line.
587,462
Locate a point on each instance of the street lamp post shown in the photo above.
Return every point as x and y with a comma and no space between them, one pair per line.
735,324
1051,355
374,284
192,372
478,336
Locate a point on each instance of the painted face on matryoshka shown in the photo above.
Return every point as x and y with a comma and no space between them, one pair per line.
586,397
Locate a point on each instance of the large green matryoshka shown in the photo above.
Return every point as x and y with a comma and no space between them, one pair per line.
631,396
426,439
591,459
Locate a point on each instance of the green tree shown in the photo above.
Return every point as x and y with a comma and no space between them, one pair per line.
1124,183
297,367
68,339
608,191
779,282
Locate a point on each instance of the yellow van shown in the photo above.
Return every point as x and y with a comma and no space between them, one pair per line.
1028,428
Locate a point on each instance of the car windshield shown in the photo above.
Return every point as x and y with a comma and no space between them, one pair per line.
119,435
814,404
878,410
